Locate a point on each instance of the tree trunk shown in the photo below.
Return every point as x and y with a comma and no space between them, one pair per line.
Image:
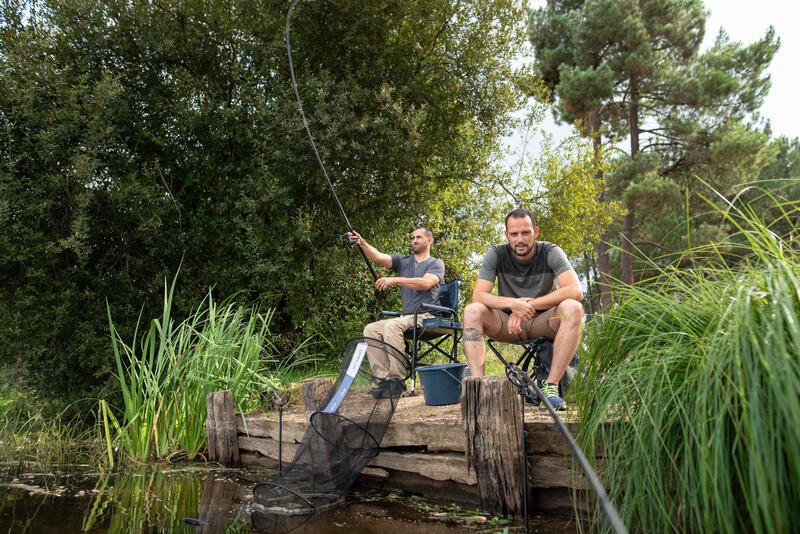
603,263
626,260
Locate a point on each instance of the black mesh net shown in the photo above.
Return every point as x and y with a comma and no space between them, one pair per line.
341,439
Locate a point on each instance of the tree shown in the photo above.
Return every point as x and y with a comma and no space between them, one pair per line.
632,68
141,136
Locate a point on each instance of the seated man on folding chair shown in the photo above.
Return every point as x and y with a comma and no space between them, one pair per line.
418,275
539,295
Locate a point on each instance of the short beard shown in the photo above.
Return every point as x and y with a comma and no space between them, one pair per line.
527,251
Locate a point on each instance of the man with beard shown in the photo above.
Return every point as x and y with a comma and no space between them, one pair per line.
538,295
418,275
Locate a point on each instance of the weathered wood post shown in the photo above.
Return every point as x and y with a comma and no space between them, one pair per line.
223,443
490,408
314,392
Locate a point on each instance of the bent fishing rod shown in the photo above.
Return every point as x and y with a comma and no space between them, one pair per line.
524,383
346,236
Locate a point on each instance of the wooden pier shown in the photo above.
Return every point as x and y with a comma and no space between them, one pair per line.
430,450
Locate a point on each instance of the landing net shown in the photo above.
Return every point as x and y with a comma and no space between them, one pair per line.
340,441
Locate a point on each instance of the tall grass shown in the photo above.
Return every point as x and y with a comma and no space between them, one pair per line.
36,435
692,391
166,373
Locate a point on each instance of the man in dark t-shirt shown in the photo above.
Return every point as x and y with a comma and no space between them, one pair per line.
418,275
538,295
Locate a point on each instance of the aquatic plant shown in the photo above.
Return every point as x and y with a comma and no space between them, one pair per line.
166,374
34,434
691,389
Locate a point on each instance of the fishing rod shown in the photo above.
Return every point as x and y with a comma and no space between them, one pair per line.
346,237
527,387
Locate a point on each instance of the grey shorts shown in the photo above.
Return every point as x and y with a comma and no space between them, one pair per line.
539,326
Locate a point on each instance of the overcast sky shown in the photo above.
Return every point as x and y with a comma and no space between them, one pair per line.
745,21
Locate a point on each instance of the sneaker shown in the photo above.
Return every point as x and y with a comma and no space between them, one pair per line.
388,388
550,391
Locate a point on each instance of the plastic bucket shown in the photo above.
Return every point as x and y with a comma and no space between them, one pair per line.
441,384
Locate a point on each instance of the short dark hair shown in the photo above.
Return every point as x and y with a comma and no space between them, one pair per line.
520,213
427,230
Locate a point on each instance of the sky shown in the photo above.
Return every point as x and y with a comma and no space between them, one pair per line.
745,21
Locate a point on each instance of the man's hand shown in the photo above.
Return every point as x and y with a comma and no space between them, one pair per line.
356,238
523,308
383,283
514,324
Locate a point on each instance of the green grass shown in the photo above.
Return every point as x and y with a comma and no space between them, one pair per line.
35,435
166,373
698,372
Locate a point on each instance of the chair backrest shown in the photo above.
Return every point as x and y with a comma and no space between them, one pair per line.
448,295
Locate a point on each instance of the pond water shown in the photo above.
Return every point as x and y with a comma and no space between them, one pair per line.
195,499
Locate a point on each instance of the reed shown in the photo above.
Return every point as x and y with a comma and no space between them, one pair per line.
33,434
166,372
691,389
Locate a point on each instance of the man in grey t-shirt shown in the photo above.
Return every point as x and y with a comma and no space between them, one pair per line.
538,295
418,275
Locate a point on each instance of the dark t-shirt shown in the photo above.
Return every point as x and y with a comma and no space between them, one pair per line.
531,278
407,267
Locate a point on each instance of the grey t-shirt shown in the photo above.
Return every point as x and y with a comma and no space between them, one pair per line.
407,267
531,278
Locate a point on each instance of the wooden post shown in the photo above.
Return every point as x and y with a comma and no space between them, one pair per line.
223,443
490,407
315,390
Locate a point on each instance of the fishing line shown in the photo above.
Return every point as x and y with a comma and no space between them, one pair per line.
314,146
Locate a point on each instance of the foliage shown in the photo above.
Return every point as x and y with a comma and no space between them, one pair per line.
698,371
31,434
167,373
634,69
135,134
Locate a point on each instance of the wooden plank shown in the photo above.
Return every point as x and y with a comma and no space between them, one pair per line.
490,409
258,426
545,438
435,437
555,472
256,459
442,466
268,447
375,472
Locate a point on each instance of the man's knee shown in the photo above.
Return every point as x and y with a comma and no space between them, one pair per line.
373,330
474,315
570,312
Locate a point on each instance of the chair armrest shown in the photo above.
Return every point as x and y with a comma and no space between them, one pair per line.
434,307
386,313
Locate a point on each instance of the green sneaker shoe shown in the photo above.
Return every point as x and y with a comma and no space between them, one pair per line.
550,391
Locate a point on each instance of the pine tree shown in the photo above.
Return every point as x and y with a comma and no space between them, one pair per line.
628,68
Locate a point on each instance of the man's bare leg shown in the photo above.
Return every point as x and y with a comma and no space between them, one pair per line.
478,319
567,321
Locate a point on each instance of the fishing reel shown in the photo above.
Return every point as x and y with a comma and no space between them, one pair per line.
348,240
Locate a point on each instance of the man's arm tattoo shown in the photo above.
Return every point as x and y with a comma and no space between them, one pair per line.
472,334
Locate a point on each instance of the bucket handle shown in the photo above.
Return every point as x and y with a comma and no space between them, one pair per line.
447,372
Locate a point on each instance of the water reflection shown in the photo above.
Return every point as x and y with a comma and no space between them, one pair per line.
195,500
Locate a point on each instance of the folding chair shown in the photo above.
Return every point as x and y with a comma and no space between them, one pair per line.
435,331
536,359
